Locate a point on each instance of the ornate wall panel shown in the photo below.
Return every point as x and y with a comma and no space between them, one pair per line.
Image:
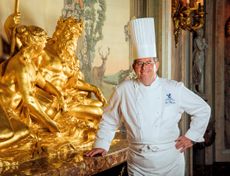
222,150
227,75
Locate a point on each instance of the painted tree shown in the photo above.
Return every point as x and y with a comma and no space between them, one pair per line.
93,15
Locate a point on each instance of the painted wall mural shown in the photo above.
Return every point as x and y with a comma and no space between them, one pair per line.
103,49
93,15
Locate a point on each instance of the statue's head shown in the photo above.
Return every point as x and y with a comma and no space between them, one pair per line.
31,35
66,34
68,26
200,32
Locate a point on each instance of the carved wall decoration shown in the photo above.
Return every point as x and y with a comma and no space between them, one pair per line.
198,60
187,15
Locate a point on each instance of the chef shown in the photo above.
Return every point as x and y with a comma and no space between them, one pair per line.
150,108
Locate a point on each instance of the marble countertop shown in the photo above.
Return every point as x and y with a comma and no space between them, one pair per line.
70,163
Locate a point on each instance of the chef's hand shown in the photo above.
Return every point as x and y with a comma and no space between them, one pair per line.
96,152
183,143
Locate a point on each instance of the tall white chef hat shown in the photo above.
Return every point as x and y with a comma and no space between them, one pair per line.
142,31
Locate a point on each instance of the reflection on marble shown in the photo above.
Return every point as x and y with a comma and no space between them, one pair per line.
68,161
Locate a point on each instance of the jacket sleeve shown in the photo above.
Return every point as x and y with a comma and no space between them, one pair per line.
199,111
109,123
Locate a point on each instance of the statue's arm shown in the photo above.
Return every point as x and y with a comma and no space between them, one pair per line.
10,26
47,86
50,88
11,22
82,85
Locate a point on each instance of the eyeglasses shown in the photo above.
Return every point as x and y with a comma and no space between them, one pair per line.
141,64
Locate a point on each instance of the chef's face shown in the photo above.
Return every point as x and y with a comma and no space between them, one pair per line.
146,69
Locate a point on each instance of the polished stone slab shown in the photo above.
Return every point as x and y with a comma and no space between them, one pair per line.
70,162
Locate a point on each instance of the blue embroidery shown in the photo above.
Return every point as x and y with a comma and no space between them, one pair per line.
169,99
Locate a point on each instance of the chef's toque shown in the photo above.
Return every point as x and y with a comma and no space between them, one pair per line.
142,32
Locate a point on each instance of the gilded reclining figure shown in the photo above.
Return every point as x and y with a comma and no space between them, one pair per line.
43,82
61,66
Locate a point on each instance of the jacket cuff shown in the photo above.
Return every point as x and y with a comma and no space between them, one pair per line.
100,143
194,136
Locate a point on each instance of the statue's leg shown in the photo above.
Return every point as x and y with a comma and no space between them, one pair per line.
85,112
20,131
6,130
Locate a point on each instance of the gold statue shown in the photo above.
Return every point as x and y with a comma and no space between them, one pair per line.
43,82
61,66
19,79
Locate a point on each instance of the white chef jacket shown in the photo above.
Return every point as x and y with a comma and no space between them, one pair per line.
151,115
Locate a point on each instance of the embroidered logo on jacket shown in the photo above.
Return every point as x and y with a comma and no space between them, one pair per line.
169,99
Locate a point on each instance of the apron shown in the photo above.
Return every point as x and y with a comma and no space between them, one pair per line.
155,160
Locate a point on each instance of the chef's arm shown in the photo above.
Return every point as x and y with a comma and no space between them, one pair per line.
109,123
199,111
